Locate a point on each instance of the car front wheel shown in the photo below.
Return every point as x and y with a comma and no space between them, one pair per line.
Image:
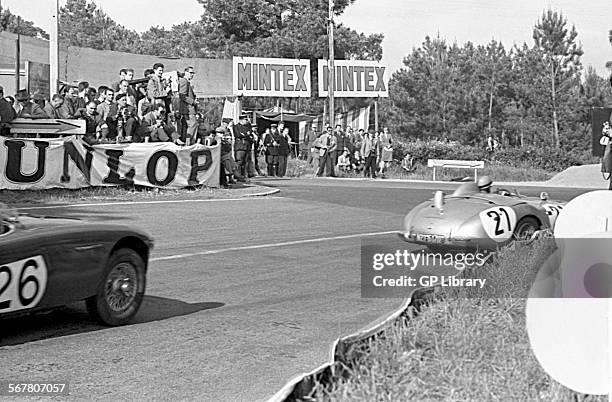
120,292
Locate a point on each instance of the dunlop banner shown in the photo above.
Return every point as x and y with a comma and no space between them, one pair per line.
355,79
35,164
255,76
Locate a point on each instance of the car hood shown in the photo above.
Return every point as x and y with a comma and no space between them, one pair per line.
456,211
29,222
51,225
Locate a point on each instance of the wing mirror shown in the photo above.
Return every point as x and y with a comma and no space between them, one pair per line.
544,196
439,200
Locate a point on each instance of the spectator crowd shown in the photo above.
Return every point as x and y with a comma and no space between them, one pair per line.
149,110
128,110
336,152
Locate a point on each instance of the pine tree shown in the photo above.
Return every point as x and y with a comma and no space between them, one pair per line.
560,59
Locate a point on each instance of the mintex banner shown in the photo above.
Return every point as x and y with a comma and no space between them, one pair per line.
354,79
255,76
27,164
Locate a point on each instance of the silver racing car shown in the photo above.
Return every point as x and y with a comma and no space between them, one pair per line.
476,219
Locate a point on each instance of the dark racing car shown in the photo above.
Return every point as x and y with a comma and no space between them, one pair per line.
50,262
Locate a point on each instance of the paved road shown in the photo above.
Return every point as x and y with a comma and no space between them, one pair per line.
242,295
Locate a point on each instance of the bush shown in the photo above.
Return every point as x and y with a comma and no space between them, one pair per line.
548,159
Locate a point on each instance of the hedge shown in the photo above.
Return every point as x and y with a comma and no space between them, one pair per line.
550,159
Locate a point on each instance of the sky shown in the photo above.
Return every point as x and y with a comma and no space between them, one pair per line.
404,23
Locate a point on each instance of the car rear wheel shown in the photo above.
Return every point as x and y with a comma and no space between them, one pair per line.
120,293
525,228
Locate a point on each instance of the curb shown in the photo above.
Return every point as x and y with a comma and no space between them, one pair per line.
264,194
346,350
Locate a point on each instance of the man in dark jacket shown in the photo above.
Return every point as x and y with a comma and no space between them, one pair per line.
7,113
93,123
283,151
271,142
53,109
242,143
188,124
28,109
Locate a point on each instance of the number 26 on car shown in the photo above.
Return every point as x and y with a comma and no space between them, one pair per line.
22,284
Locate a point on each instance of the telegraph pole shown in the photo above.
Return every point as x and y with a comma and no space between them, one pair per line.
17,56
332,69
54,50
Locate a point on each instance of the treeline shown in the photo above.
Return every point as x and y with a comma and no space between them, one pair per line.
537,94
528,95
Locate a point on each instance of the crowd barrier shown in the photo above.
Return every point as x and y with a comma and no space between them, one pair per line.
346,350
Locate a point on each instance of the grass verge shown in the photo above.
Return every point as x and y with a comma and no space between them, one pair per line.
92,194
459,348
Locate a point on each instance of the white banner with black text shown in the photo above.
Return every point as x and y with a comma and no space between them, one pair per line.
36,164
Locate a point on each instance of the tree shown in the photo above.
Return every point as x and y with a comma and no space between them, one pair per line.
283,28
15,24
560,59
609,63
83,24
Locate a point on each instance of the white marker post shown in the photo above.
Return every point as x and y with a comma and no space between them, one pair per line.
54,49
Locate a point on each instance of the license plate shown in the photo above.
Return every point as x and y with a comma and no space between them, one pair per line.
430,238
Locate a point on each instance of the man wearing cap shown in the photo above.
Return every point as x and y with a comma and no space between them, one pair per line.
271,142
242,143
28,109
7,113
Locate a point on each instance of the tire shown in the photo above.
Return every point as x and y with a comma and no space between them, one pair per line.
121,290
525,228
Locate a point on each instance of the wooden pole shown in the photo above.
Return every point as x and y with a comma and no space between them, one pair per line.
332,70
18,57
54,50
376,115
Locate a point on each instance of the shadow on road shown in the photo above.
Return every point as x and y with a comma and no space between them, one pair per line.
74,319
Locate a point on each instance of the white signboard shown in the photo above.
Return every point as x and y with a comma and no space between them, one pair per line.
27,164
47,126
355,79
255,76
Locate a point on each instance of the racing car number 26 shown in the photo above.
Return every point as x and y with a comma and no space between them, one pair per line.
22,284
498,223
